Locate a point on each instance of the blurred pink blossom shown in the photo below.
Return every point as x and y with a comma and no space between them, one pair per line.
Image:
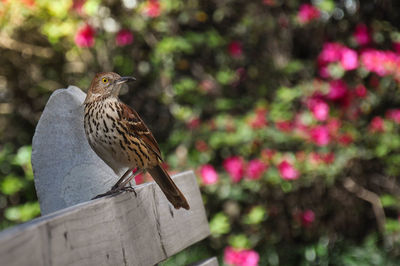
394,114
308,13
337,90
240,257
348,59
152,8
267,154
336,52
320,135
287,171
317,158
193,123
235,49
307,218
201,145
381,62
255,169
328,157
208,174
260,120
139,179
77,5
235,167
345,139
284,126
124,37
377,124
333,126
331,52
319,109
362,35
361,91
85,36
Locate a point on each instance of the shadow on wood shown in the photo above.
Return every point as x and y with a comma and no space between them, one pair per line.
116,230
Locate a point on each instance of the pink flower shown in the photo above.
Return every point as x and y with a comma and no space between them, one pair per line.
345,139
235,167
348,59
287,171
139,179
381,62
308,13
208,174
362,35
377,124
267,154
124,37
333,126
240,257
320,135
361,91
394,114
260,120
201,145
307,218
255,169
328,158
331,52
319,109
152,8
336,52
284,126
77,5
85,36
193,123
337,90
235,49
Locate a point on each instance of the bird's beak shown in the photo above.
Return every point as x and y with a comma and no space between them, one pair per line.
122,80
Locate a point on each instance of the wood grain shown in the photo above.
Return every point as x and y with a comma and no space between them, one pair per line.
116,230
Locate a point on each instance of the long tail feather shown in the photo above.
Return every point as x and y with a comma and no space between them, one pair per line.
167,185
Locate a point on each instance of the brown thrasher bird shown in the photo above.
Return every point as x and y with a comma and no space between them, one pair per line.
121,139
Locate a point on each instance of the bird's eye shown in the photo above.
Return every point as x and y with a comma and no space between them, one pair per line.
105,80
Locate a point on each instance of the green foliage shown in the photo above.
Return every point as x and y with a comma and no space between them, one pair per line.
238,79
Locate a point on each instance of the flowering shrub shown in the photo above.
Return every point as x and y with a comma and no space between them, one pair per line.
289,111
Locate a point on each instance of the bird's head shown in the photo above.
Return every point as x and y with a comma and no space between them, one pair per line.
106,84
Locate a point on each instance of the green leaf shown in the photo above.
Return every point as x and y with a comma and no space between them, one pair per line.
11,185
239,241
255,216
219,224
23,213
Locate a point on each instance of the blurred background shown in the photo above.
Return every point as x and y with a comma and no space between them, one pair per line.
288,111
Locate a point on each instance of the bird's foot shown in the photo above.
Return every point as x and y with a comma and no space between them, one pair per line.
129,189
110,192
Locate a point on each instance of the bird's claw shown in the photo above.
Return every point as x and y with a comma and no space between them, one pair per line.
110,192
129,189
117,191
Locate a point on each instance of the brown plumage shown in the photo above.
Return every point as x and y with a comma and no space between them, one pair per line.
121,139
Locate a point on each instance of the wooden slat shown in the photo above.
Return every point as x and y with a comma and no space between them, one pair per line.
116,230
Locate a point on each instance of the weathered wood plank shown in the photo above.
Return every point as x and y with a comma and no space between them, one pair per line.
117,230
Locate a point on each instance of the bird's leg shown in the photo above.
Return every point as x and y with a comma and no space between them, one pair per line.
116,188
110,192
121,179
122,186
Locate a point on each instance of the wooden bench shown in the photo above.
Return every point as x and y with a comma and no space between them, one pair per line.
117,230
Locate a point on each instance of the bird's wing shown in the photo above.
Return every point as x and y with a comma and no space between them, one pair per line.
138,128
